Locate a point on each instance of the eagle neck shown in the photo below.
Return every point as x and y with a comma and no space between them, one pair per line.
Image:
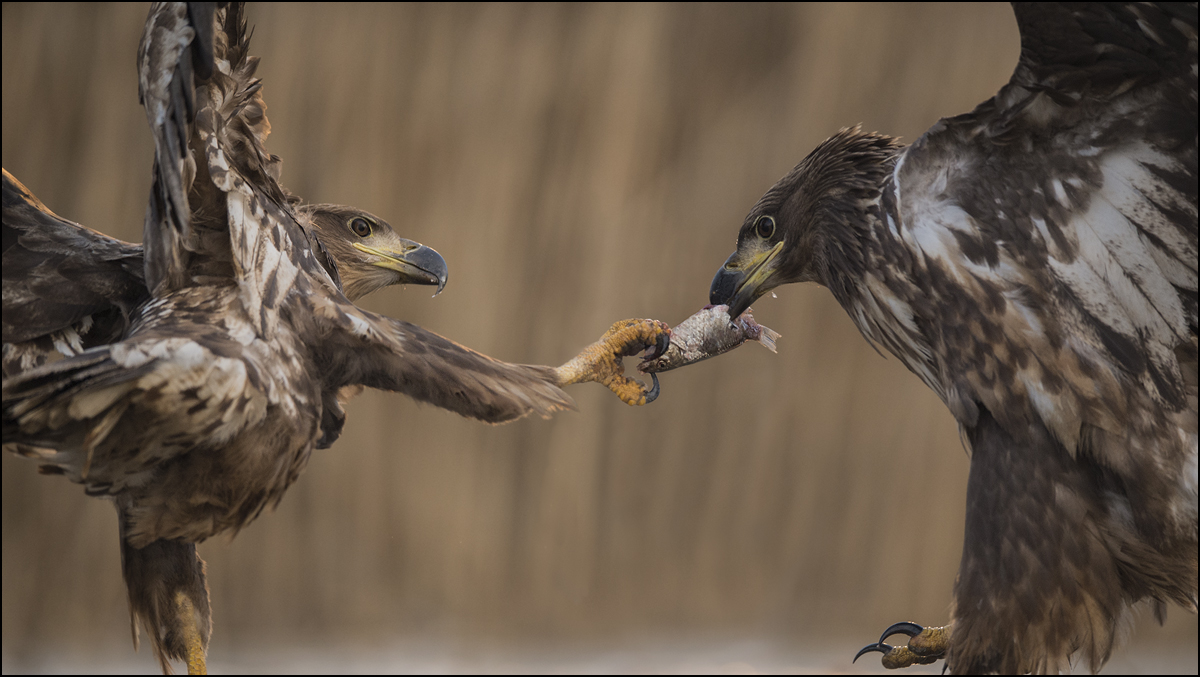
849,243
863,263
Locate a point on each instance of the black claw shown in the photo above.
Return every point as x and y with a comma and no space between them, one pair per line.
652,394
878,646
903,628
664,342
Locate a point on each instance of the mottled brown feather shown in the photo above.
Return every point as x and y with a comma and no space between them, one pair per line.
1034,262
226,378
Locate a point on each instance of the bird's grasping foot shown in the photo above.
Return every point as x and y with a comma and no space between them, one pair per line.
925,645
601,361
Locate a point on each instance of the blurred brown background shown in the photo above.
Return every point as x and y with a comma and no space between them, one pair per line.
575,165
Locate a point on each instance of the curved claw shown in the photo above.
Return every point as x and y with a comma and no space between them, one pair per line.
652,394
878,646
902,628
660,348
601,361
925,645
631,391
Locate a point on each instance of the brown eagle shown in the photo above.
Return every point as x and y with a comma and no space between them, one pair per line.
200,370
1034,263
68,288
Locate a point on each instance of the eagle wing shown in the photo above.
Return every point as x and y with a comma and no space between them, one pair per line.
66,287
362,348
1066,208
175,53
216,208
267,247
1044,250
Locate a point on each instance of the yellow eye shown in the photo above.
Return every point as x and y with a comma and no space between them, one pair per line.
360,227
765,227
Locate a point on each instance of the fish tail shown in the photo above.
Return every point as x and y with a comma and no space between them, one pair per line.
767,338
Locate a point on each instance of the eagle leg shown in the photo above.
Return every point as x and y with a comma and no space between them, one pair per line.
168,592
194,640
601,361
925,645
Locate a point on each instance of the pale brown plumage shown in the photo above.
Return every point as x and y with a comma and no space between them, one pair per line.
68,288
206,404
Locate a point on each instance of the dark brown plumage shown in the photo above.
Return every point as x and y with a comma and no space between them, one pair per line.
1034,263
220,361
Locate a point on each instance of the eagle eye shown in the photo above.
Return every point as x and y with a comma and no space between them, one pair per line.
765,227
360,226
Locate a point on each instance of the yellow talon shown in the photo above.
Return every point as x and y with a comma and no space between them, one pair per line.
601,361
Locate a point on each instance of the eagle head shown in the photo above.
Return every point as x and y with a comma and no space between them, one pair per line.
365,252
807,226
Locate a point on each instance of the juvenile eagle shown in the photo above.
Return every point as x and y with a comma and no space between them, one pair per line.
1034,263
198,388
68,288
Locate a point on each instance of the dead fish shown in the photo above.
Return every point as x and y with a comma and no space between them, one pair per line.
707,334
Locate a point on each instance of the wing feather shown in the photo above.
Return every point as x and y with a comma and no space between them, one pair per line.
1051,239
110,415
1096,239
363,348
166,88
221,212
66,287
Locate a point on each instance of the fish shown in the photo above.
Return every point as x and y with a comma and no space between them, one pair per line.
708,333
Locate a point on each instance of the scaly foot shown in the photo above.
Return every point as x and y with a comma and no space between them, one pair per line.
601,361
925,645
193,640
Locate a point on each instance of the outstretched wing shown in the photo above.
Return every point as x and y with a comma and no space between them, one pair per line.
362,348
66,287
175,55
1066,208
216,209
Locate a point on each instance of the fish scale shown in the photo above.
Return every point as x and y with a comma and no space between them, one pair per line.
708,333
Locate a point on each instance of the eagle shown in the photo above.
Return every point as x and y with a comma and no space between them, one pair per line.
197,372
1034,262
68,288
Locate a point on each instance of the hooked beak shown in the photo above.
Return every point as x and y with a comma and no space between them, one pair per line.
416,263
743,279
